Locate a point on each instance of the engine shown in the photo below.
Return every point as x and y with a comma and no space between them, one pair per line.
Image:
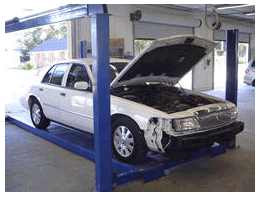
163,97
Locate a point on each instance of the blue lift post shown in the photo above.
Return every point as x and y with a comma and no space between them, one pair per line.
231,81
83,51
101,101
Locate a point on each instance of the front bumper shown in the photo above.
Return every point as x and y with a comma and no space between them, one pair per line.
195,142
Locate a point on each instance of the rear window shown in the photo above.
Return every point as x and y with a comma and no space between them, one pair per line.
58,74
55,74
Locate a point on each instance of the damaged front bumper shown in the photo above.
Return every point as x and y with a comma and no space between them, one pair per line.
165,143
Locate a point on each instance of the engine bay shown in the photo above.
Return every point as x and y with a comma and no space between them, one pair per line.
161,96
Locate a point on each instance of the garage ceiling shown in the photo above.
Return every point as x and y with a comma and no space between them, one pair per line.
236,11
244,12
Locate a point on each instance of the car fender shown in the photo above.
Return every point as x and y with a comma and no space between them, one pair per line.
138,112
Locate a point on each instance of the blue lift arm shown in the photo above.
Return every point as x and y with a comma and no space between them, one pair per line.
63,13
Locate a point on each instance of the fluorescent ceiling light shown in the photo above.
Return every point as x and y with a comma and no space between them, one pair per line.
233,7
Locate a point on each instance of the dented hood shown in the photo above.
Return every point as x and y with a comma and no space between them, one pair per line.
165,60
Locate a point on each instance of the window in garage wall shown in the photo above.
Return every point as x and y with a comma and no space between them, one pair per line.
220,63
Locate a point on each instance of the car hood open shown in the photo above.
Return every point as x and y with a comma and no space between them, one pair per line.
165,60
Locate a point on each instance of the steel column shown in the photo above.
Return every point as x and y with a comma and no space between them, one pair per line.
83,51
231,80
249,49
101,99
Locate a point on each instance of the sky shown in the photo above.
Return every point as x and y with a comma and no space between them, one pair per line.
24,8
21,9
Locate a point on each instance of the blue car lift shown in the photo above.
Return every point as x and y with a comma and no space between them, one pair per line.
231,80
154,165
151,168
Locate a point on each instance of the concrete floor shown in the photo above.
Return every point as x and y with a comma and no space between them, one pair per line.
34,164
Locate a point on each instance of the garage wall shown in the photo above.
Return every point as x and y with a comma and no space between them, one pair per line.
119,27
156,22
252,45
203,74
220,35
149,30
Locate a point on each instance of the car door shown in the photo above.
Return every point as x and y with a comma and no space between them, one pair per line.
77,105
50,91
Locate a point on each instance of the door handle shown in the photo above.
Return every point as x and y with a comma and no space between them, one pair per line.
40,89
63,94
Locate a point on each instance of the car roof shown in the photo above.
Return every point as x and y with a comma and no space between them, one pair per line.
88,61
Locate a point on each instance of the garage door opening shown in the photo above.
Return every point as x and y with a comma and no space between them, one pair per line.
220,64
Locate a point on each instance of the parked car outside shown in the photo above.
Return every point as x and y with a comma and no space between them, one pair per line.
148,112
249,77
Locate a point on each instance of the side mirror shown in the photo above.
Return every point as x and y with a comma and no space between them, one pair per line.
81,85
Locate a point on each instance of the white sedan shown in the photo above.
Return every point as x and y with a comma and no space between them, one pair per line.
148,112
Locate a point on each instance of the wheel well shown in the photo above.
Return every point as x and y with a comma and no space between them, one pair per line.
118,115
31,98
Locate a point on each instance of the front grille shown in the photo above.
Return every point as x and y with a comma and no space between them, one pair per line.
214,119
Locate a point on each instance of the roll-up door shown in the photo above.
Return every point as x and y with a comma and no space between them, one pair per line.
148,30
220,35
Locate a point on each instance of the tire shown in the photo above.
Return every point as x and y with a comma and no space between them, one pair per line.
128,143
38,118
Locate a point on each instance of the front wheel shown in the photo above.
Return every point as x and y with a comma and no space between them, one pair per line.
128,142
38,118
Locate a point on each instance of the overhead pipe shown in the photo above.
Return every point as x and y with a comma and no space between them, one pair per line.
216,24
242,26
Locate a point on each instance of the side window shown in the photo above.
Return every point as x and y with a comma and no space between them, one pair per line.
47,76
77,73
57,75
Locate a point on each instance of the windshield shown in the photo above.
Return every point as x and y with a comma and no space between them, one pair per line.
115,69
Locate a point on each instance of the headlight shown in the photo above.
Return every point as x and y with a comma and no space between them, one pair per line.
233,113
185,124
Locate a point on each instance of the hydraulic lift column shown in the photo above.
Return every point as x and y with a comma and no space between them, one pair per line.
231,80
101,101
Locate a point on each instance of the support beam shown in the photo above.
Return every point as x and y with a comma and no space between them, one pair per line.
249,49
63,13
101,99
231,82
